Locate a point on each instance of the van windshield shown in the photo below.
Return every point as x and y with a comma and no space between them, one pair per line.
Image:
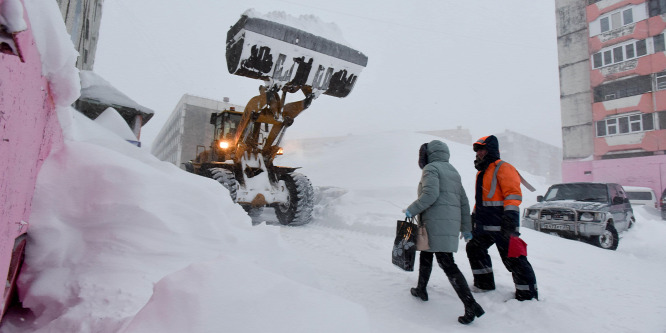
578,192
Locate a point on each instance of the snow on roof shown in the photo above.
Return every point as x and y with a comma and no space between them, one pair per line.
11,16
94,87
113,121
309,23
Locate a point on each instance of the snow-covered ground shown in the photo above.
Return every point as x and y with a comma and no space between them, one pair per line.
122,242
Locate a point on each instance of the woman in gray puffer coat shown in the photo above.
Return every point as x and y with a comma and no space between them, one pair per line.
444,208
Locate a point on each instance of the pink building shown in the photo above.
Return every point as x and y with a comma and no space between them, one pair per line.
29,129
612,59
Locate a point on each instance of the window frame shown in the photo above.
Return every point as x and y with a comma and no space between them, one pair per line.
609,56
624,124
616,19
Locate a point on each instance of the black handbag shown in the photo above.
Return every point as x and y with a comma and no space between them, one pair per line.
404,246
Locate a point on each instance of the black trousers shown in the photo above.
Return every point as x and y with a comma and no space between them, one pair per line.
456,278
482,267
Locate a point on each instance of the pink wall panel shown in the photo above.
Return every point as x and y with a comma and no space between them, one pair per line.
641,171
29,129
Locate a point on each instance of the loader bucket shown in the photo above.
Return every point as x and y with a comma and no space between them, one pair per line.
286,56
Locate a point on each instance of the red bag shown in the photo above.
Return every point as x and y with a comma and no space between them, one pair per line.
517,247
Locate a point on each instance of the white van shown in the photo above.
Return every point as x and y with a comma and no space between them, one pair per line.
641,196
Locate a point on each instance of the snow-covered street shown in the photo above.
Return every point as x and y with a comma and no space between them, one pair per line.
121,242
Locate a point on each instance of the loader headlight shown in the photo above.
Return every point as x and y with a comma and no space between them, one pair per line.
224,144
280,151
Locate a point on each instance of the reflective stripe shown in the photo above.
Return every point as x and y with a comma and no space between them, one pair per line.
492,228
525,287
493,203
512,207
493,184
514,197
486,270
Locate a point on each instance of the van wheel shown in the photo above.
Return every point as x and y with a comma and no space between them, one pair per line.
609,240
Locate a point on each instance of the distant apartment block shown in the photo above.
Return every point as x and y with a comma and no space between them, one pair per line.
188,129
612,65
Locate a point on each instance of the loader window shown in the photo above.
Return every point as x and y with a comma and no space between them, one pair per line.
230,123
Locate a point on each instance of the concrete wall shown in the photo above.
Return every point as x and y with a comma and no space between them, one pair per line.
575,92
83,19
29,129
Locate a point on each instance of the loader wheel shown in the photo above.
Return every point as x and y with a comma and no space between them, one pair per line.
298,208
227,179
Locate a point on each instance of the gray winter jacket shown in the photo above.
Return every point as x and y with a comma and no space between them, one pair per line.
442,201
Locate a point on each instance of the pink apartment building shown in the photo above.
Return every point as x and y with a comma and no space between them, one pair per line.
612,62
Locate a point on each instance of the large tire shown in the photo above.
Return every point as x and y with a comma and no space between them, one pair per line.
298,208
227,179
609,240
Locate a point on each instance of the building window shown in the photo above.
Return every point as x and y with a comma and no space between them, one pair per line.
622,53
597,62
641,48
616,20
618,54
657,7
637,85
628,16
659,45
660,80
633,123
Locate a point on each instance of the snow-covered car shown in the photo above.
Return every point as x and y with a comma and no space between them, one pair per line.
593,212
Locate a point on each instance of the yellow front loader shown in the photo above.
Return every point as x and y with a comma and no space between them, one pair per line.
288,60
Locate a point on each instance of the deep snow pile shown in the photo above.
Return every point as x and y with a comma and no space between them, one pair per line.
121,242
115,231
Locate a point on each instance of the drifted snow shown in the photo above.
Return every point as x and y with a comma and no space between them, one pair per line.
113,121
57,51
121,242
11,16
309,23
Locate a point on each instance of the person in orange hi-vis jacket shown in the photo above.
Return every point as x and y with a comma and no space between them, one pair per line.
495,220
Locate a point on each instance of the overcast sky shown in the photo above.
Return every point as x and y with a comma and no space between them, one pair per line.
484,65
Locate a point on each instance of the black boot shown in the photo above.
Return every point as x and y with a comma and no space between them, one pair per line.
471,311
472,308
420,293
425,269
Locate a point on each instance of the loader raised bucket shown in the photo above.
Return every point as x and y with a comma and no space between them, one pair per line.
286,56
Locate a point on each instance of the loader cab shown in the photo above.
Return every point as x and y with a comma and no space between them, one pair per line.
226,123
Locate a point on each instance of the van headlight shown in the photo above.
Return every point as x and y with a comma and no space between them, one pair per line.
590,217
